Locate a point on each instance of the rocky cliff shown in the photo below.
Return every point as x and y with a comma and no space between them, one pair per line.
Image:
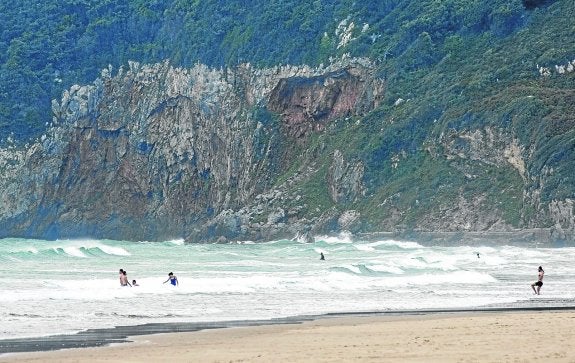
156,152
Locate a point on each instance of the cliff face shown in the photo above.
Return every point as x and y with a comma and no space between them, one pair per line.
156,152
307,104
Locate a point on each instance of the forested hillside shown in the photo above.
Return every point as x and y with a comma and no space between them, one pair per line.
47,46
259,119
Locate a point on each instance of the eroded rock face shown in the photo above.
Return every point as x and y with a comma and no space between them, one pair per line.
156,152
309,103
345,180
562,213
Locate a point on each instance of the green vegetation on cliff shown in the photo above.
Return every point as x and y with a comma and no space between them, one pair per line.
46,46
477,118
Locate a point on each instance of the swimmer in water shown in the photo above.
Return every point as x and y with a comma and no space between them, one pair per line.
172,278
124,278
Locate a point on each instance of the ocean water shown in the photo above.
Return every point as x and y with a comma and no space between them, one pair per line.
66,286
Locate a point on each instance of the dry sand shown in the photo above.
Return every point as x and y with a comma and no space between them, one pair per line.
479,337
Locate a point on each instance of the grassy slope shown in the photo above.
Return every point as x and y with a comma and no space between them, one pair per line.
479,81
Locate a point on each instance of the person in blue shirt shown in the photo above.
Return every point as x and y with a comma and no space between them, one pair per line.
172,278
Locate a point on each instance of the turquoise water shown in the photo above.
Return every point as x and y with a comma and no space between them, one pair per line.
49,287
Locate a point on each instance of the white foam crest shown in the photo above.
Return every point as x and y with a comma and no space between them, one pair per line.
242,243
366,248
178,242
109,250
74,247
71,251
272,242
341,238
401,244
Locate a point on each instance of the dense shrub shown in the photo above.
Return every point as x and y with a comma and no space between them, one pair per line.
46,46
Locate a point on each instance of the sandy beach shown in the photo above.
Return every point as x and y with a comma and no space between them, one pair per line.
479,337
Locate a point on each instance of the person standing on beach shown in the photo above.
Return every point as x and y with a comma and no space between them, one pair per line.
172,278
539,281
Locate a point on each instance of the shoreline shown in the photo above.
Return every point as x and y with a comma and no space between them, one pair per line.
544,334
120,335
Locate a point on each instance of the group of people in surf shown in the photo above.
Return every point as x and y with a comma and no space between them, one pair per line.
124,279
173,280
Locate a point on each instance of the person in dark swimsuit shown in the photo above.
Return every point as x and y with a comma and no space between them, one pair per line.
539,281
172,278
321,256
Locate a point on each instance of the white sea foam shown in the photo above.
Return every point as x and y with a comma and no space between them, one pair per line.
63,291
177,242
75,248
116,251
343,237
400,244
72,251
364,247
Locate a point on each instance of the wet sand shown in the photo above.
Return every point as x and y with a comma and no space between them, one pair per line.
544,336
